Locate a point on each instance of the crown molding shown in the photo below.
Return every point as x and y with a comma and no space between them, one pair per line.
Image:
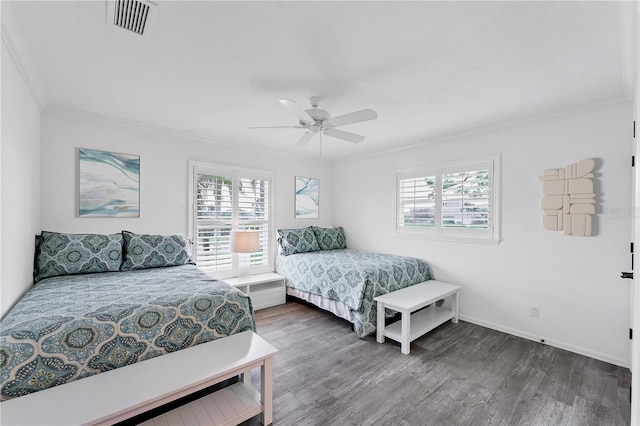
17,48
63,110
495,127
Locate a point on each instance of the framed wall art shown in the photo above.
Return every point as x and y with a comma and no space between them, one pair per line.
108,184
307,198
569,198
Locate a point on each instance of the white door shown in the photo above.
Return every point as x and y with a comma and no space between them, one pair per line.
635,294
635,291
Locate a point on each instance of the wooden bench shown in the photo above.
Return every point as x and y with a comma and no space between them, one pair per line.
120,394
416,321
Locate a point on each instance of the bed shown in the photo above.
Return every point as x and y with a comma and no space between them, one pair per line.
72,325
319,269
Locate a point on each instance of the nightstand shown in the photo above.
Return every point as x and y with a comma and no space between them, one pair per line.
265,290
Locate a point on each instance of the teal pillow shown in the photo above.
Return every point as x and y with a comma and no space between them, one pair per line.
142,251
67,254
297,241
330,238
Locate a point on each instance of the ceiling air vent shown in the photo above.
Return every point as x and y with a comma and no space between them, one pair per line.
133,15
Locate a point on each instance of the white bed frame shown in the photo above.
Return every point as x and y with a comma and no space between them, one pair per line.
334,306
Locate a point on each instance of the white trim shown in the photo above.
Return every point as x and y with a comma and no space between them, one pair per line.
555,343
635,225
450,164
17,48
202,137
444,138
482,236
234,171
449,239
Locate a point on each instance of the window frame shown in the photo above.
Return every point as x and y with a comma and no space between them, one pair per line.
196,168
490,235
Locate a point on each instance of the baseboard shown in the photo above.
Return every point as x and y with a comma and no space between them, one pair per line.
550,342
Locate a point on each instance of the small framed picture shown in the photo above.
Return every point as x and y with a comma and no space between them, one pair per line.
307,198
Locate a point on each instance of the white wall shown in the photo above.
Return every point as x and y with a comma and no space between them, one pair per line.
584,305
164,174
20,183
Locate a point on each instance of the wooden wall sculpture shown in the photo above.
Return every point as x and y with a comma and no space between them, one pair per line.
569,199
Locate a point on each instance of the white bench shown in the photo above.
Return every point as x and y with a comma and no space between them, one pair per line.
120,394
409,300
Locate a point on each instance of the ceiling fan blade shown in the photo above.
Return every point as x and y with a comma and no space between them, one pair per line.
353,117
297,110
277,127
305,139
341,134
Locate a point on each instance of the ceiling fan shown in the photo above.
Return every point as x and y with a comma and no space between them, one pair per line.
319,121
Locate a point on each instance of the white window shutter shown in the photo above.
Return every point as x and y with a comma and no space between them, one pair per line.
455,201
225,200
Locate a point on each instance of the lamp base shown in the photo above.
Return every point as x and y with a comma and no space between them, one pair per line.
244,267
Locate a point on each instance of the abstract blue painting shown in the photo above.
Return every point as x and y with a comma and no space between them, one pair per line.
108,184
307,198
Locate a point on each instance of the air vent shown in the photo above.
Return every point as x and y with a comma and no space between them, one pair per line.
134,15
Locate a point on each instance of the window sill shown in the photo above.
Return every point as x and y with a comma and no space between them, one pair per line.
452,239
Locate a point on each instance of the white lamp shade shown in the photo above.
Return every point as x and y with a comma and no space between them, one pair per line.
245,241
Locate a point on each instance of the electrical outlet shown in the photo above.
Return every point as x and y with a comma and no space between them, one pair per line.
535,311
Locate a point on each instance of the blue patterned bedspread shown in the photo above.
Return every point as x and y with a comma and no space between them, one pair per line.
352,277
70,327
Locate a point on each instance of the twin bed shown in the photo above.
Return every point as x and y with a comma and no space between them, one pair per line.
101,302
320,269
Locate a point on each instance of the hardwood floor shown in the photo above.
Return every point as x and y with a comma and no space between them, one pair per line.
458,374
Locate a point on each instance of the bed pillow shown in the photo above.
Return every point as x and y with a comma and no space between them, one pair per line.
297,241
330,238
142,251
67,254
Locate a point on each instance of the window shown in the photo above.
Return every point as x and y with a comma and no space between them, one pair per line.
224,199
453,201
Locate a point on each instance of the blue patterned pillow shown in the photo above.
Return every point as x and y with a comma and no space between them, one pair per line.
330,238
142,251
66,254
297,241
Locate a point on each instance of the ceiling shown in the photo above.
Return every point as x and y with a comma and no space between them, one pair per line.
429,69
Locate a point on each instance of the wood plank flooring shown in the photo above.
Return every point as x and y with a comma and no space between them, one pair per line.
458,374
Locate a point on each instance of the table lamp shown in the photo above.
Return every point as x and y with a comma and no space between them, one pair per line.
243,243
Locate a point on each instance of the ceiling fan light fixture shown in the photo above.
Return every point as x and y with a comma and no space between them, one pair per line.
319,115
316,120
315,101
